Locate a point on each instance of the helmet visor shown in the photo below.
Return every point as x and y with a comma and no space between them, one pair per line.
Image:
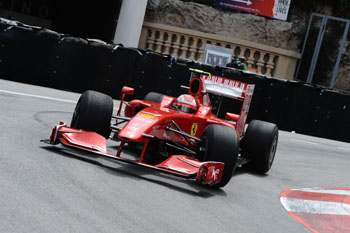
186,108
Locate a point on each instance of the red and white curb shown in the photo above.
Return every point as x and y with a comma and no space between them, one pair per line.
320,210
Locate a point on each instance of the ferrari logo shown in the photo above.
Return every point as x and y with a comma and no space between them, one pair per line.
194,129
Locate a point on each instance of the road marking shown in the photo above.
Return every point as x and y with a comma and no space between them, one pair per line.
326,191
319,209
315,207
307,142
46,97
38,96
343,148
318,152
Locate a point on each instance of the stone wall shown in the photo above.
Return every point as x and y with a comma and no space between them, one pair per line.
244,26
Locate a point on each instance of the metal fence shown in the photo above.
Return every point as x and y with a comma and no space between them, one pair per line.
322,26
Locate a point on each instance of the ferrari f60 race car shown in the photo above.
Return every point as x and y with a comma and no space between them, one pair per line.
182,134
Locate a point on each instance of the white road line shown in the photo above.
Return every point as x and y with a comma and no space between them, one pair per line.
318,152
38,96
46,97
296,149
307,142
343,148
315,207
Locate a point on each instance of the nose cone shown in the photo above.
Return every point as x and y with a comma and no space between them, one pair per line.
139,125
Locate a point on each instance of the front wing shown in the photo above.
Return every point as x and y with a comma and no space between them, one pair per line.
209,172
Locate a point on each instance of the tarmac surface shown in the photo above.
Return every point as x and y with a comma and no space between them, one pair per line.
47,188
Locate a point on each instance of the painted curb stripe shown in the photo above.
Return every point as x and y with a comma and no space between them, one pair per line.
321,210
332,188
316,196
321,223
328,190
315,207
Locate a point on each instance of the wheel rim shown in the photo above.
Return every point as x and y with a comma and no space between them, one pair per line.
202,148
273,150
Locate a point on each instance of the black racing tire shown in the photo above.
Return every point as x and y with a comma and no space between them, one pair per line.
154,97
93,112
259,144
220,143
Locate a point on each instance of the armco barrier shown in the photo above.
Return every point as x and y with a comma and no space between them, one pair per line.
149,74
25,54
43,57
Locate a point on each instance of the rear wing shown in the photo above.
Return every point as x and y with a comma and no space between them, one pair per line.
221,86
224,87
232,89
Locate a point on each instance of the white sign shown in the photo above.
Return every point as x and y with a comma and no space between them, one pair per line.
216,55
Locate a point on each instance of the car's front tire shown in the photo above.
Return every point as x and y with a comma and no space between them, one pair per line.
220,143
93,112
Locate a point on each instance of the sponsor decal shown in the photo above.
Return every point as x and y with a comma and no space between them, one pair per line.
132,128
147,115
245,108
194,128
153,114
215,173
319,209
213,79
224,85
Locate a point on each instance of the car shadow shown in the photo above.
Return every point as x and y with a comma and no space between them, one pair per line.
243,170
139,173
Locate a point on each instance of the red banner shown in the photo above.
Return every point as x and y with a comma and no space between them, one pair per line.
277,9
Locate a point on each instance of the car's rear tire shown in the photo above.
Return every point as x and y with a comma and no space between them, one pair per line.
154,97
93,112
259,144
220,143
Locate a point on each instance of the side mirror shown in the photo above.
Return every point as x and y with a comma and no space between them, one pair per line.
125,91
128,90
232,117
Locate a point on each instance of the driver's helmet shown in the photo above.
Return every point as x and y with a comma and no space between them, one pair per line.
186,103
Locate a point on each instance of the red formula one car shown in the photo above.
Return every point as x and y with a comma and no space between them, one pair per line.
182,135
